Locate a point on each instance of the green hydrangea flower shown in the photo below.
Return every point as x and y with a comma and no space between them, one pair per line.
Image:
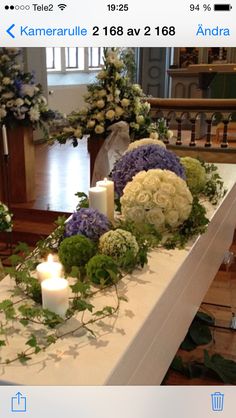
76,251
120,245
195,174
102,269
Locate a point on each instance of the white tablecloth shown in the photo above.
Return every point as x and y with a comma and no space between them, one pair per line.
139,345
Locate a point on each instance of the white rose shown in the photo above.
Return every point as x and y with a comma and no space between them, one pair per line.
170,134
8,95
100,116
125,102
10,103
110,114
136,88
162,200
6,81
167,188
3,113
151,184
180,203
28,90
137,213
133,187
19,102
34,114
154,135
91,123
101,75
100,104
99,129
140,119
110,98
102,93
7,218
185,212
119,111
172,218
78,133
140,176
143,198
155,217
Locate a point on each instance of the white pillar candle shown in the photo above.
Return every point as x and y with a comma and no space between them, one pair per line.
55,295
4,140
48,269
109,186
98,199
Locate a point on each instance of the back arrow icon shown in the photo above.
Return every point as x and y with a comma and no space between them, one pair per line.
9,31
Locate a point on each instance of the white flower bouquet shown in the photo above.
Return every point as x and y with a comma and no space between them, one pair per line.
157,197
5,218
21,99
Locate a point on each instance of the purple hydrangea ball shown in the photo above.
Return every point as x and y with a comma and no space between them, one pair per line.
145,158
88,222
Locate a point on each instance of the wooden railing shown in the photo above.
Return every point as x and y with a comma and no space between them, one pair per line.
200,116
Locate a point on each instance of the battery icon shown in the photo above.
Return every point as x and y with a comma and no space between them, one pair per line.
222,7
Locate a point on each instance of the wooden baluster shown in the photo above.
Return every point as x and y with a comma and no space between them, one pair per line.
166,140
224,143
208,138
193,132
179,131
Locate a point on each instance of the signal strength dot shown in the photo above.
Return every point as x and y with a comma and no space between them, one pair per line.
62,6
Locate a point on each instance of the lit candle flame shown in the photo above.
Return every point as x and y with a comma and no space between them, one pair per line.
50,258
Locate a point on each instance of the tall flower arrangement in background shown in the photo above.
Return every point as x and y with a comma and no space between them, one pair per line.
112,98
21,99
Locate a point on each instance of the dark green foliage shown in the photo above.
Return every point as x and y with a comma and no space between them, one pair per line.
196,224
199,332
102,270
76,251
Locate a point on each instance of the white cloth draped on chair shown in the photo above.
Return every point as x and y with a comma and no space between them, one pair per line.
112,149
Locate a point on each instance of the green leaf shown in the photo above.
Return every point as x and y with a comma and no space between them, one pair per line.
32,342
225,369
178,366
23,358
188,344
207,319
82,305
2,343
200,333
51,339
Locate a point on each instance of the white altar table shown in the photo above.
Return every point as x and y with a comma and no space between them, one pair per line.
137,347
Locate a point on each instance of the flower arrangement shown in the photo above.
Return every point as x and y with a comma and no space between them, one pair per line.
5,218
144,141
102,269
121,245
157,197
21,100
75,251
88,222
144,158
195,174
112,98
